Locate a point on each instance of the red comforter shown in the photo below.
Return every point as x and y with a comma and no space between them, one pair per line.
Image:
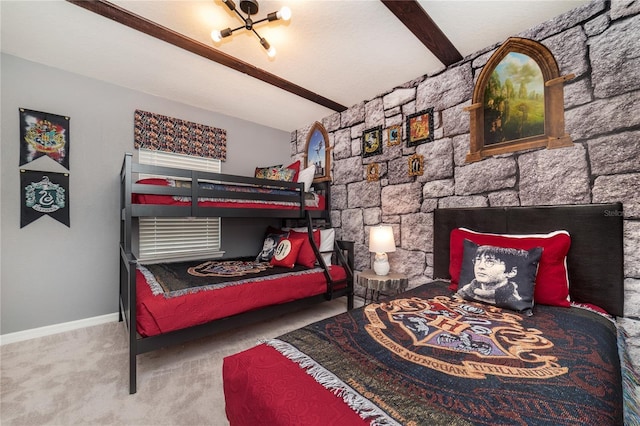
157,314
318,202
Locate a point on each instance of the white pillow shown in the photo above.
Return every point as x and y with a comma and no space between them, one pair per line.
306,176
327,238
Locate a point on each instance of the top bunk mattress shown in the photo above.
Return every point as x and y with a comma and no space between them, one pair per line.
226,195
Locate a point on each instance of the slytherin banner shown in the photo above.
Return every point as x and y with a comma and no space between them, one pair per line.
43,134
43,193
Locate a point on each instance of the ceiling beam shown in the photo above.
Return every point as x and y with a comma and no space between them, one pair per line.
124,17
413,16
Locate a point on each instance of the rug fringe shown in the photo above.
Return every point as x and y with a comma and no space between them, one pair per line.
361,405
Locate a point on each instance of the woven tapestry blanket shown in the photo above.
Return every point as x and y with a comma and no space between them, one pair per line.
179,278
427,356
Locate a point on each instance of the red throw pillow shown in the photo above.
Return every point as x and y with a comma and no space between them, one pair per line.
552,281
286,252
306,256
295,166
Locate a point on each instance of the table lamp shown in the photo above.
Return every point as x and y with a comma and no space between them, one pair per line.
381,242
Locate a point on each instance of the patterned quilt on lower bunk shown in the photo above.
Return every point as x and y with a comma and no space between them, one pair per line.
174,296
426,357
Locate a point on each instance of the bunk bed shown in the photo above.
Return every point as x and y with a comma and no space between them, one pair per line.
427,356
156,317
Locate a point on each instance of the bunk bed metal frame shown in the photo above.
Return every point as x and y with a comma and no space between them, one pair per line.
343,252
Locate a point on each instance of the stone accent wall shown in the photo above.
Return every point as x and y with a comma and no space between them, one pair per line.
599,44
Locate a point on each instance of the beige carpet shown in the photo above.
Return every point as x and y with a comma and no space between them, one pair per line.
80,377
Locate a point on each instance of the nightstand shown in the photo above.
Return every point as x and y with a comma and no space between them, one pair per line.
391,282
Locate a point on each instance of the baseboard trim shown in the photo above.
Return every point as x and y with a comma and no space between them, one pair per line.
33,333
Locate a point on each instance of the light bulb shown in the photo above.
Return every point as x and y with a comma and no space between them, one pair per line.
284,13
271,52
216,36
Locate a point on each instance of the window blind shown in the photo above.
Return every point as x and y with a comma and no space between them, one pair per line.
178,238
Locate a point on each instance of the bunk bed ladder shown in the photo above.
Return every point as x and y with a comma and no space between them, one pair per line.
338,250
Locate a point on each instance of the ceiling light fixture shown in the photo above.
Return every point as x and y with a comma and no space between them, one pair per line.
250,7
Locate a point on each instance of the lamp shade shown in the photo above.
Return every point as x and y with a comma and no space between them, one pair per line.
381,239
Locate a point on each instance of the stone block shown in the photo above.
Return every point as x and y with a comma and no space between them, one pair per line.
399,97
624,188
416,231
347,170
401,199
363,194
445,90
615,59
399,171
338,197
604,116
456,120
632,297
408,262
372,216
568,49
342,144
567,20
504,198
490,174
458,201
353,115
461,146
631,248
353,225
438,188
622,8
577,93
619,153
332,122
554,176
374,113
438,160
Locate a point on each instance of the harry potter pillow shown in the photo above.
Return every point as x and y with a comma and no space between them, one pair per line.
501,276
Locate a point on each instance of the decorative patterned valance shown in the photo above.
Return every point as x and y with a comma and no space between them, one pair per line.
158,132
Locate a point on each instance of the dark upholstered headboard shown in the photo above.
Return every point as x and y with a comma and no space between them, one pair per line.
595,259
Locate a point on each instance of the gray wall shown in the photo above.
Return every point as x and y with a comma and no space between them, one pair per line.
599,44
52,274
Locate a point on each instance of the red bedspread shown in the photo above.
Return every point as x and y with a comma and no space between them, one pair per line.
281,393
314,201
157,314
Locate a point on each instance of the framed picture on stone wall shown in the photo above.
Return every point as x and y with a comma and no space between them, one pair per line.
420,127
318,153
416,165
373,172
372,141
394,135
518,102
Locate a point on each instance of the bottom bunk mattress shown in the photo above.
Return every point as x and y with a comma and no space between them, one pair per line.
173,296
426,357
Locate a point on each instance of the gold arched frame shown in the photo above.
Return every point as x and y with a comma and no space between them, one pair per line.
318,152
554,135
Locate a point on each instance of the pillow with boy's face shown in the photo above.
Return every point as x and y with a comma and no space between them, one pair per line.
269,246
500,276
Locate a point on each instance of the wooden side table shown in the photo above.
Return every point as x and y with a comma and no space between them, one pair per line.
391,282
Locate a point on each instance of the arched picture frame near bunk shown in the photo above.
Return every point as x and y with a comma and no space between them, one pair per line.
318,152
518,102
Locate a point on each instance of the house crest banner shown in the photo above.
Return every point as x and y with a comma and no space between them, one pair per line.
43,134
43,193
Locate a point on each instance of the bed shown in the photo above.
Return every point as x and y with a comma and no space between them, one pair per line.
431,356
170,303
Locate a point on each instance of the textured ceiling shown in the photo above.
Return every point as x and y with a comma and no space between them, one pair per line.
347,51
